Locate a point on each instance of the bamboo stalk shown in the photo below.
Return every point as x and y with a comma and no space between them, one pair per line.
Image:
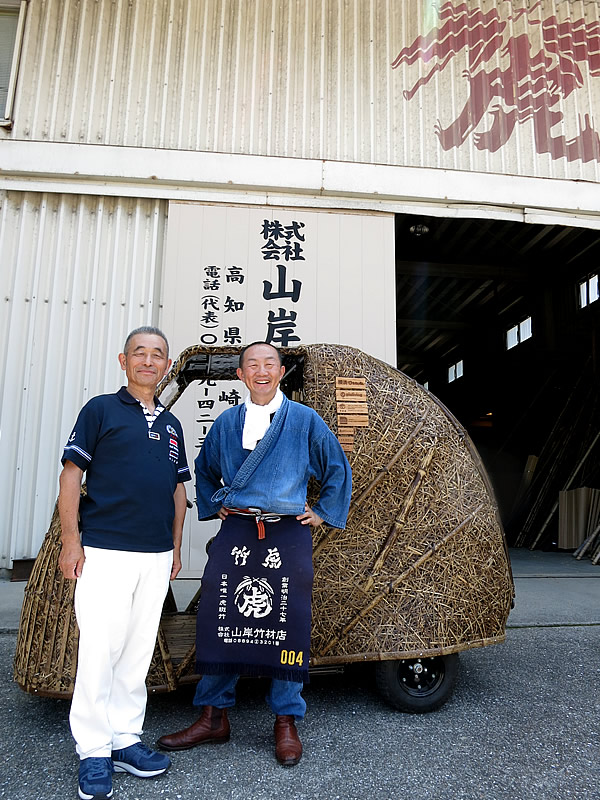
166,660
564,489
358,501
551,457
585,545
385,470
393,655
399,521
188,660
397,581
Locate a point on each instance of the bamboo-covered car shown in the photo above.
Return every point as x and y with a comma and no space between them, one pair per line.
420,573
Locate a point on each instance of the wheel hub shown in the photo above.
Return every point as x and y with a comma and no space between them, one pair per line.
421,677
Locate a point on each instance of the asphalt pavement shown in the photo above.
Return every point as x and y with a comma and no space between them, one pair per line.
523,722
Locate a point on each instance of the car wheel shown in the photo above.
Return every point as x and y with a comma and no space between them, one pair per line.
417,685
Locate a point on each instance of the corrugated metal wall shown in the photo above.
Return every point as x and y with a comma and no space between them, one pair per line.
314,79
77,274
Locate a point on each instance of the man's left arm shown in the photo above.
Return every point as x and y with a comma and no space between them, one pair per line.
180,500
333,472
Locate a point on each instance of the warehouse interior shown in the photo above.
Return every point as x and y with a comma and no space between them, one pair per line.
499,319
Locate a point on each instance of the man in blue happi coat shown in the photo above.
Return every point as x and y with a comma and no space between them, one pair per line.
254,613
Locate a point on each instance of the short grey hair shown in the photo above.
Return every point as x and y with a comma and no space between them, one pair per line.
146,329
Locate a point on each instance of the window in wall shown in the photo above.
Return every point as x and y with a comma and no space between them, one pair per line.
455,371
588,290
518,333
12,21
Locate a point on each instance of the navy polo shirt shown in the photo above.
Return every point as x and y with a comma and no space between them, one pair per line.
132,473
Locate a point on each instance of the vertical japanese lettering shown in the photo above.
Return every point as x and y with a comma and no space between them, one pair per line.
282,243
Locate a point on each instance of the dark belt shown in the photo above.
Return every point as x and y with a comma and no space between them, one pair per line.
260,516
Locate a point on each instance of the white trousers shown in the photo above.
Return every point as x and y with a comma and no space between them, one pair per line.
118,603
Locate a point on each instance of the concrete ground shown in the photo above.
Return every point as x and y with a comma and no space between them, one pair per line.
523,723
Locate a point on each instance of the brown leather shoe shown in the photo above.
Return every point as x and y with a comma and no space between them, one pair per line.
288,747
212,726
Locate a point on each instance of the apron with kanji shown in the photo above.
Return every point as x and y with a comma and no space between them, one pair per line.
254,612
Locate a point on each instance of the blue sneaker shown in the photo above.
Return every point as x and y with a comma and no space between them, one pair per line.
95,779
140,760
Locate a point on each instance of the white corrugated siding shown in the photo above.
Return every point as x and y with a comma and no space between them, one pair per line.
298,78
77,274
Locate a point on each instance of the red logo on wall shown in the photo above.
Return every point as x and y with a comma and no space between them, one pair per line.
521,66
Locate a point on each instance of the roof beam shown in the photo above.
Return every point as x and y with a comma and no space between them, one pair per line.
433,324
435,269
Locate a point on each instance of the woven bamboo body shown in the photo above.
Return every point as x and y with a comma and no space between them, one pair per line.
421,568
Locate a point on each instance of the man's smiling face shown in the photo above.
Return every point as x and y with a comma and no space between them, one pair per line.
261,371
146,360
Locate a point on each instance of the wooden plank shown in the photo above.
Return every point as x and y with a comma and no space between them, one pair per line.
347,447
350,383
354,420
345,435
352,408
356,395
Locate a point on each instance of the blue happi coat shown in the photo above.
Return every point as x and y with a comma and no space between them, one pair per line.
298,445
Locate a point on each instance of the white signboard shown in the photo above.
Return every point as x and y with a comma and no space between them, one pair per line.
237,274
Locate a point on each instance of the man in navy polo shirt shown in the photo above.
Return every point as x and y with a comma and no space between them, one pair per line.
122,552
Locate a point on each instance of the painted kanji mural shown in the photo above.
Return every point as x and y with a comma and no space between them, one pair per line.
522,66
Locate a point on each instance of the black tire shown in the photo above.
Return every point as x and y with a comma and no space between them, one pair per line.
417,685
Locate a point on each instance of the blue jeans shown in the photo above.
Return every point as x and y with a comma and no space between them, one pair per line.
219,690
